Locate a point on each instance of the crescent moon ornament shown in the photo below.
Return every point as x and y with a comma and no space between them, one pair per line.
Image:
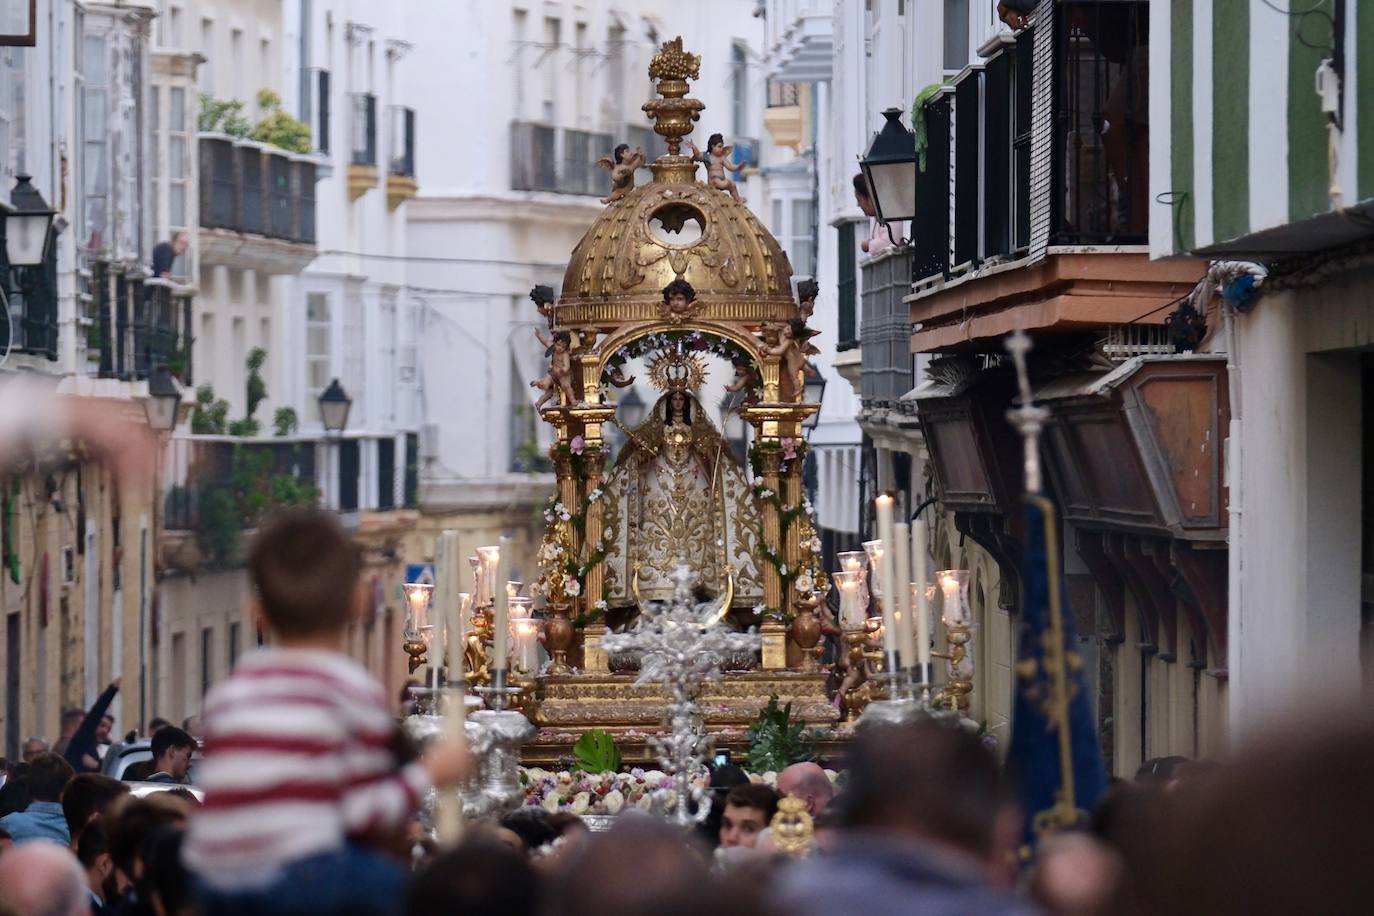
727,600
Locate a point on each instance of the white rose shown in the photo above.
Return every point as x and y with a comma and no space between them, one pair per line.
770,778
551,802
580,803
613,801
758,481
645,802
573,588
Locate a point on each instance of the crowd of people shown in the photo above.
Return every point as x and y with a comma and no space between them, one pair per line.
312,796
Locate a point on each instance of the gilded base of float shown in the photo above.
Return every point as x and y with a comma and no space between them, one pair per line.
565,707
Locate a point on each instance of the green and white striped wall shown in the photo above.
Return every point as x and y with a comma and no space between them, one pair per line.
1238,140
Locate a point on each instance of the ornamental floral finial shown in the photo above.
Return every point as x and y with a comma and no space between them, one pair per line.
673,63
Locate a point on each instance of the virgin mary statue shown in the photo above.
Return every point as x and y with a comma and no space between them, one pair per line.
678,495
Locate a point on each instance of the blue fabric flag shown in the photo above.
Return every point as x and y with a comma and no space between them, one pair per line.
1053,739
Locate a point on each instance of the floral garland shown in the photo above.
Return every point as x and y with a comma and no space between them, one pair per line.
579,792
680,342
806,578
563,576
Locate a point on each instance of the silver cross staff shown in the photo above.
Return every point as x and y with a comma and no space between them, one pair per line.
682,647
1028,419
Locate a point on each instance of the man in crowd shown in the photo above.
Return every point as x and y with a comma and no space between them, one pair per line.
748,809
929,827
82,749
33,747
43,818
93,852
42,879
87,798
172,750
808,782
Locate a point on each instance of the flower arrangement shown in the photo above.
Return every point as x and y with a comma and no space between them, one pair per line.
579,792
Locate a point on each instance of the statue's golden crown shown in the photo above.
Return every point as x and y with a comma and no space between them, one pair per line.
673,371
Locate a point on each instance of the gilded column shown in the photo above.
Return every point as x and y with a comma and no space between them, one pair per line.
770,460
593,463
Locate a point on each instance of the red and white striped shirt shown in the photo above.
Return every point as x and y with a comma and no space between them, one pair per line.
299,756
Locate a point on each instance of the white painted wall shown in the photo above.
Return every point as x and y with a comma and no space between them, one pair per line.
1294,639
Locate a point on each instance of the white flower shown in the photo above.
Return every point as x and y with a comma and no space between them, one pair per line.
804,584
548,516
594,495
600,605
760,608
782,570
559,508
770,778
766,493
580,803
572,588
564,515
613,801
758,481
645,802
551,802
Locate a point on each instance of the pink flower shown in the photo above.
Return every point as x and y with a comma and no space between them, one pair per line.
577,445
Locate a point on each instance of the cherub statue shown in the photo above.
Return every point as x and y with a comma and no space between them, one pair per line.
807,291
621,164
717,159
559,378
792,348
678,300
543,298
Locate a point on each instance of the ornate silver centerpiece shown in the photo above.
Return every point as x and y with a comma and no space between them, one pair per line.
682,646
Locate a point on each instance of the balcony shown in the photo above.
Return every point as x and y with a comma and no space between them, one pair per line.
783,117
885,329
216,487
560,160
400,173
362,163
1034,185
135,325
257,206
800,40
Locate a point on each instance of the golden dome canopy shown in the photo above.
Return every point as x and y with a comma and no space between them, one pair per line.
675,227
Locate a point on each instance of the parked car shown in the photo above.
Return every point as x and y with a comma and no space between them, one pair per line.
144,789
120,757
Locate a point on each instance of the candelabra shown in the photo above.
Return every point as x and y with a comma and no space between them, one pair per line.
682,646
957,618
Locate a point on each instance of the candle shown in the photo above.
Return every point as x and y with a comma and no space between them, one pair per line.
491,559
954,610
453,614
901,555
501,623
852,614
918,576
887,535
526,657
873,552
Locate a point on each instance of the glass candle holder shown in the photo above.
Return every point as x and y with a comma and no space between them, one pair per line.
519,608
954,606
514,588
490,558
852,612
476,563
418,598
874,551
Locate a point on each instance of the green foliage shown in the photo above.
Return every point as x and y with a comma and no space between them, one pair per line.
257,388
211,414
219,531
918,120
278,128
245,428
223,116
284,421
596,752
776,741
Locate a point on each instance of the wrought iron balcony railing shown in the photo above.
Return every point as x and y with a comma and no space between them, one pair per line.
363,128
545,158
137,325
256,190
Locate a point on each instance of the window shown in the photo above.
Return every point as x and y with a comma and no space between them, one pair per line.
233,644
350,465
178,165
207,50
178,686
236,61
801,239
265,56
172,36
615,66
353,361
317,355
548,62
580,52
207,660
518,19
93,211
739,89
14,71
386,473
207,343
956,35
847,285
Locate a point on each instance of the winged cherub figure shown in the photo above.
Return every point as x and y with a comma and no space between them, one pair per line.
621,164
559,378
793,348
543,298
807,291
717,159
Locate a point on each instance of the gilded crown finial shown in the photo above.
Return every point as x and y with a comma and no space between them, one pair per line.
673,63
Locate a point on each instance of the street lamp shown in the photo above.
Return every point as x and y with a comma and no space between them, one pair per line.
889,167
28,226
631,409
813,391
334,406
162,401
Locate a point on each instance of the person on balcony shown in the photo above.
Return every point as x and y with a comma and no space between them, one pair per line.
166,253
881,236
